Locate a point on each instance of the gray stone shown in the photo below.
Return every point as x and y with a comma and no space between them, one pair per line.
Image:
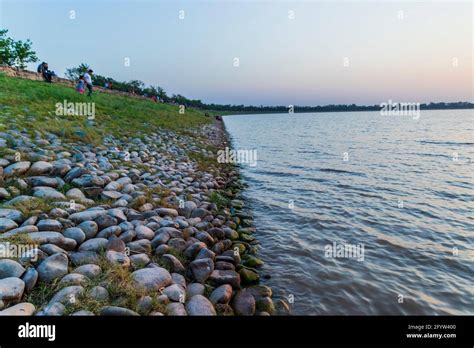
175,293
10,268
219,277
75,233
88,180
176,309
188,207
99,293
199,212
53,309
139,260
16,169
43,181
87,215
84,257
89,228
167,212
117,258
178,279
74,173
83,313
74,279
161,238
76,194
109,231
49,225
205,253
144,304
117,214
52,249
111,195
116,244
172,263
144,232
117,311
244,303
91,271
94,244
11,214
40,168
67,295
221,294
47,237
4,194
140,246
195,289
53,267
202,269
7,224
105,221
25,308
11,289
30,277
48,193
199,305
194,249
152,278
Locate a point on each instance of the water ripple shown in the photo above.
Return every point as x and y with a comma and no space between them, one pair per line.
400,195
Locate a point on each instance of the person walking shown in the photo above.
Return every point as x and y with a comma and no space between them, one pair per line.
88,81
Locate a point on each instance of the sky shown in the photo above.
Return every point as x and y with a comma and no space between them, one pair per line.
288,52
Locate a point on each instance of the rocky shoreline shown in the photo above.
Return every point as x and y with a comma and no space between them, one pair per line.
150,225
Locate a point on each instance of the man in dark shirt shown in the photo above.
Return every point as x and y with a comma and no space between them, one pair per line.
44,71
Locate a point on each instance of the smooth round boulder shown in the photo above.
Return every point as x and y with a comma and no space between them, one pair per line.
244,303
11,289
10,268
89,228
53,267
199,305
25,308
152,278
91,271
75,233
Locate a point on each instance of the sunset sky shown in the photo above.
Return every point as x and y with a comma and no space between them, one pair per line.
423,53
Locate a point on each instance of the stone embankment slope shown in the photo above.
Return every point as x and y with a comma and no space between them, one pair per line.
131,225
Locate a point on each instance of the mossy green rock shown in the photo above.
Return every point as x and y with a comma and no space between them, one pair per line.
265,304
240,246
253,262
246,238
237,204
259,291
247,276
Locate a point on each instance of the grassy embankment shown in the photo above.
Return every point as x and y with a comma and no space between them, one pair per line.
29,106
114,114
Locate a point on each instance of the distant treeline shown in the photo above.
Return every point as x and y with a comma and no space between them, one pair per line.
139,88
326,108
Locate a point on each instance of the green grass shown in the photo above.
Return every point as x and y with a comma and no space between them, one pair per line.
114,114
219,200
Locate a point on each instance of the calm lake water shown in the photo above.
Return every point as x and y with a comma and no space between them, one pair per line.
400,188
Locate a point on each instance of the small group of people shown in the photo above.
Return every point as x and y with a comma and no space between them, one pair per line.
47,74
85,81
